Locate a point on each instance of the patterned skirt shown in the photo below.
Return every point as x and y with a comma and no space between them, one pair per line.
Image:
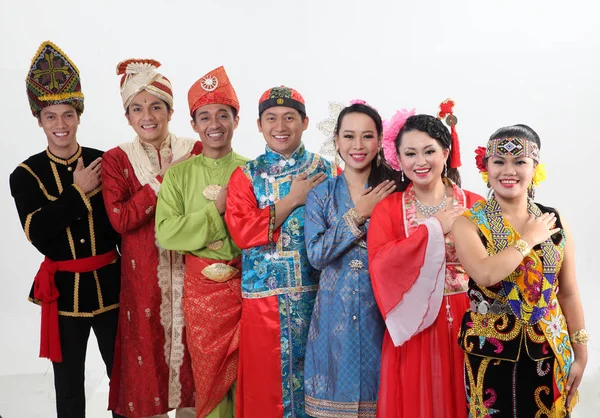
506,389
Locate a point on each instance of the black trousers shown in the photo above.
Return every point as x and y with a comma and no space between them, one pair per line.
69,375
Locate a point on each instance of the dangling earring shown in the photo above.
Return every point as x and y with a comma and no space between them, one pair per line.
378,158
446,170
531,190
402,174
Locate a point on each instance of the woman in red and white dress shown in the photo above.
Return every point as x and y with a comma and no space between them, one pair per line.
417,280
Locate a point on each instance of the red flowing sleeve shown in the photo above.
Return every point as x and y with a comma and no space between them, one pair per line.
126,211
407,274
248,225
198,147
471,198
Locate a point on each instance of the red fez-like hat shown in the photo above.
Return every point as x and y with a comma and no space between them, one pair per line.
212,88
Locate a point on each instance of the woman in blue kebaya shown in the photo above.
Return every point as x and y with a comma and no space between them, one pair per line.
346,331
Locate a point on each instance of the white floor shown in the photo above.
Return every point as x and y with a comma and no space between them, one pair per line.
26,382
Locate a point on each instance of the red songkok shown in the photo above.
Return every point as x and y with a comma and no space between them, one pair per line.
212,88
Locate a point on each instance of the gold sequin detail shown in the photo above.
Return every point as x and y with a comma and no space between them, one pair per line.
215,246
219,272
211,192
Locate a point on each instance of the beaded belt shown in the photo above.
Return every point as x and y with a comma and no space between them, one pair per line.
496,307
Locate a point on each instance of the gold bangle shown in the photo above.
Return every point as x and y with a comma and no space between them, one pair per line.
356,218
580,337
522,247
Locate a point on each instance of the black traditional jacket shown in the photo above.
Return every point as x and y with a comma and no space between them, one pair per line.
64,223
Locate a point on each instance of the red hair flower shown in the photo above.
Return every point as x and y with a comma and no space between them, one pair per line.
479,157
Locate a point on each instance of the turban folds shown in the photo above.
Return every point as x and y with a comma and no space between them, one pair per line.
140,74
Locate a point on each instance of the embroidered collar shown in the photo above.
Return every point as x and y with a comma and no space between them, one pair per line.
151,148
522,303
276,158
61,161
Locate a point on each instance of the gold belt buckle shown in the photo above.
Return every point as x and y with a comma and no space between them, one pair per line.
219,272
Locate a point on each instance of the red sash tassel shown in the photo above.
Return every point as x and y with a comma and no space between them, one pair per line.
44,289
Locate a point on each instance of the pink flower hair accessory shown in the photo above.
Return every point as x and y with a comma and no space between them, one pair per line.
390,132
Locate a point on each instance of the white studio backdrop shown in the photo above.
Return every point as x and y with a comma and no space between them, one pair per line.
503,62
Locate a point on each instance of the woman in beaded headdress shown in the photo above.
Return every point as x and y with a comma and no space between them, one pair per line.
520,335
344,341
417,280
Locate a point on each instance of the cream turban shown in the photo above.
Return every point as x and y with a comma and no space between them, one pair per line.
140,74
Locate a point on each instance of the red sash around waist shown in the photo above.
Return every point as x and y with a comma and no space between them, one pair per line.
44,289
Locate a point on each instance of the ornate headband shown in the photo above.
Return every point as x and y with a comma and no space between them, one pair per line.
515,147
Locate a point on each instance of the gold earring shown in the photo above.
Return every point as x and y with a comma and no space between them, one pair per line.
378,158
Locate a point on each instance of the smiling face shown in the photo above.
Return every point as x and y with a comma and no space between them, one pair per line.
421,157
60,123
510,176
357,141
149,117
215,123
282,128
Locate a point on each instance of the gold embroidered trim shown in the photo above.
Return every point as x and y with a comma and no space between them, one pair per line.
71,243
92,233
280,291
60,51
94,192
76,295
42,188
271,222
79,314
28,223
89,314
100,300
60,160
354,220
85,199
315,408
56,177
61,96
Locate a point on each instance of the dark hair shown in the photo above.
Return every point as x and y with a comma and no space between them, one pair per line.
39,116
379,173
166,104
302,114
233,110
433,127
518,131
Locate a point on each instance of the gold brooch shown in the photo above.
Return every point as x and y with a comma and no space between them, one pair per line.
215,246
219,272
211,192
